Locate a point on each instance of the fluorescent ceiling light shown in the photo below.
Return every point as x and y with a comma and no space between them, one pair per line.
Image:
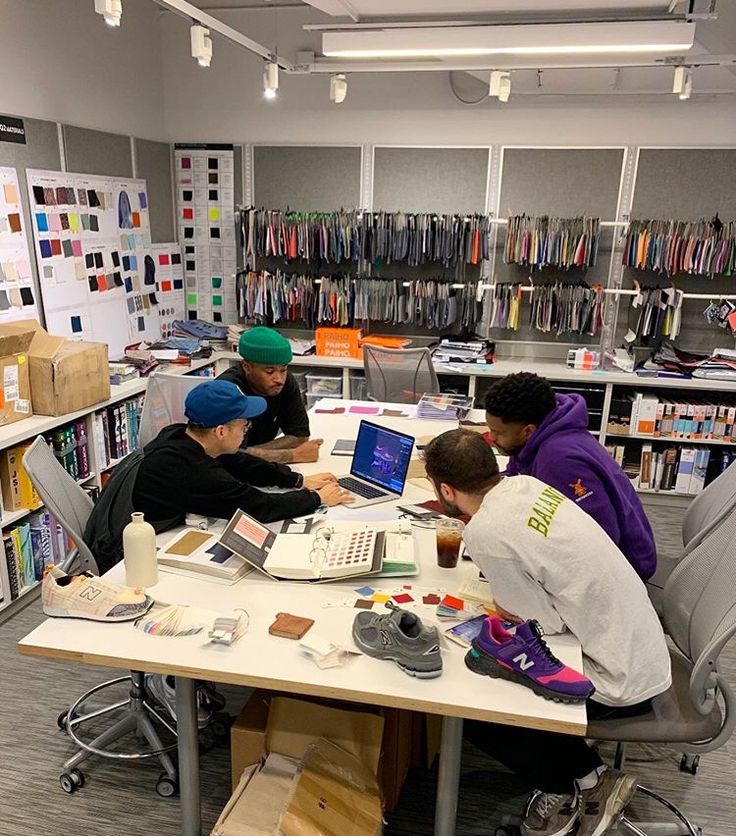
270,80
526,39
338,88
201,44
111,10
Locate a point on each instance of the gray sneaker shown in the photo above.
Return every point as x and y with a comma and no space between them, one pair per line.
602,806
550,815
399,636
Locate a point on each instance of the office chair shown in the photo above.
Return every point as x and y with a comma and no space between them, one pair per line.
399,375
164,403
71,506
697,714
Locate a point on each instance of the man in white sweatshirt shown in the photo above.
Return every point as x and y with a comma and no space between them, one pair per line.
546,559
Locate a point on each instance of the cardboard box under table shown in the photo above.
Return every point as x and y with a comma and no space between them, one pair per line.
15,385
65,375
310,770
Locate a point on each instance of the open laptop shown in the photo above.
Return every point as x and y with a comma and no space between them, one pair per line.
379,467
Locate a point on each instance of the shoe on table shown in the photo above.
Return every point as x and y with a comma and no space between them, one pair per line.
90,597
524,657
399,636
602,806
548,814
161,688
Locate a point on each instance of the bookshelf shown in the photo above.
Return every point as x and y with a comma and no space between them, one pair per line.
27,430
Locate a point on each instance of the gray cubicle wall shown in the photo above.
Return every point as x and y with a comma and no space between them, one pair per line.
97,152
306,178
41,150
442,180
684,184
153,164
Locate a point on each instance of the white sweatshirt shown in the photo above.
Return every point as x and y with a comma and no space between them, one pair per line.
545,558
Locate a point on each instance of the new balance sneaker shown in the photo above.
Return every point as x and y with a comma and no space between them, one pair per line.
550,815
525,658
87,596
399,636
602,806
162,689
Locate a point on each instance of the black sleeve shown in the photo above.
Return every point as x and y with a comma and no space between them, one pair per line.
258,472
218,493
293,418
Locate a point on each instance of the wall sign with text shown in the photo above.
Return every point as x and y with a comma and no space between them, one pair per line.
12,130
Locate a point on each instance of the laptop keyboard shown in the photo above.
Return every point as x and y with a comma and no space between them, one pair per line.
360,488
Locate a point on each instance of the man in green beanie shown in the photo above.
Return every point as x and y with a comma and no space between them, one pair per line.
263,373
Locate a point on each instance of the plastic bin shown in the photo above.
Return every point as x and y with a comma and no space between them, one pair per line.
358,388
325,385
312,399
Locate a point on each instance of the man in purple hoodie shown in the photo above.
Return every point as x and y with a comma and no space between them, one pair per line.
546,436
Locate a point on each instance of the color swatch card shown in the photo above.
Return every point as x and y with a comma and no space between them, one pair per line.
206,224
169,286
17,300
92,238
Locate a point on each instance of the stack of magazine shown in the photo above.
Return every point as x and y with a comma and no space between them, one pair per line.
445,407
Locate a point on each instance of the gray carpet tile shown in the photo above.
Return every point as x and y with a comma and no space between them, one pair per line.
120,798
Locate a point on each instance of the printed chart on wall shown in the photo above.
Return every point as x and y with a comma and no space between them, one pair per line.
170,286
16,282
93,244
206,211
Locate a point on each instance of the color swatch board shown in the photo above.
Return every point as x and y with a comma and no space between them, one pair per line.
92,237
16,282
205,201
169,286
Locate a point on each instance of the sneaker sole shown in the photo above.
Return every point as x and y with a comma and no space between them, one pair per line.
486,665
56,613
616,804
377,654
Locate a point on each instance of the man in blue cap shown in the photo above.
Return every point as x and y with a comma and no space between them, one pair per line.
263,372
199,467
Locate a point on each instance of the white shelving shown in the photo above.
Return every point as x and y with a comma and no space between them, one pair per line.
670,440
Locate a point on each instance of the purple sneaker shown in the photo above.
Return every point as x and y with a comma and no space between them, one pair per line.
524,657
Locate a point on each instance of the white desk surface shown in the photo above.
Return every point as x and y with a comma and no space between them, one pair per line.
261,660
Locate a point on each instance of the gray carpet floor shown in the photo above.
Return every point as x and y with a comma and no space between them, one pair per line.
120,798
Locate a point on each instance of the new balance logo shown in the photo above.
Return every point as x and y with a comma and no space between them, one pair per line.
523,661
386,640
89,593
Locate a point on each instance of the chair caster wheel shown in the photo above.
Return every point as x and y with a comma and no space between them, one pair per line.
220,725
689,764
72,781
167,787
61,720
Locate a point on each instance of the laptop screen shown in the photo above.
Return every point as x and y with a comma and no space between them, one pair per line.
382,456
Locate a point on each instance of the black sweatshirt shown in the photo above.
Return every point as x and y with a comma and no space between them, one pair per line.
177,477
285,412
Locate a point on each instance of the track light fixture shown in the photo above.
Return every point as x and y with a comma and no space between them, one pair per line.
500,85
271,80
338,88
111,10
682,83
201,45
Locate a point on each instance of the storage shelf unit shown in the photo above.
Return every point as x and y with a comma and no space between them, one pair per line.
29,428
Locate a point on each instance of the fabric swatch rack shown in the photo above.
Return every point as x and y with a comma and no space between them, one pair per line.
540,242
704,248
655,312
270,298
371,237
567,308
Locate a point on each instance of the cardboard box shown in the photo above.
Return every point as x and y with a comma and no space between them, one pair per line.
248,735
338,342
15,388
303,782
65,375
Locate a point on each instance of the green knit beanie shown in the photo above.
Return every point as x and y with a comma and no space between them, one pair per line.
265,346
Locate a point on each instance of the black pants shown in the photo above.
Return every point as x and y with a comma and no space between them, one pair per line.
550,761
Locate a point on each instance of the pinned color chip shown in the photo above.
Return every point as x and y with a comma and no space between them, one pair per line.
165,286
66,246
136,220
178,284
216,282
163,259
186,195
94,223
74,222
77,247
14,222
176,258
115,258
212,162
26,294
216,316
92,283
189,232
187,213
48,271
191,265
11,193
404,598
191,298
212,178
380,598
42,222
54,223
141,323
128,286
143,200
213,194
102,281
217,300
39,196
186,162
55,246
213,214
126,262
214,232
98,259
76,323
89,260
45,247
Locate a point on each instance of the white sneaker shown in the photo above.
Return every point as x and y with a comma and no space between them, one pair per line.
87,596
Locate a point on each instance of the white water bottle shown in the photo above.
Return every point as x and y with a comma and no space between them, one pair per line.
139,553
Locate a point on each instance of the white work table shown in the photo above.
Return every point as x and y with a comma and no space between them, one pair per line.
261,660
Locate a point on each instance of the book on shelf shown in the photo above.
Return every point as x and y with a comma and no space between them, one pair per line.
678,469
11,562
691,419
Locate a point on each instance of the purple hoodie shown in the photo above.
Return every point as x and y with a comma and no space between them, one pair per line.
562,453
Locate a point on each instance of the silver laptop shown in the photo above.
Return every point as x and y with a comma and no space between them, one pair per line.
379,467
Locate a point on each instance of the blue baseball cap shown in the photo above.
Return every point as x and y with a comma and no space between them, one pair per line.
218,401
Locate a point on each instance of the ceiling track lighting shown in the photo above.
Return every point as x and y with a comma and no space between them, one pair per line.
111,11
201,44
682,83
270,80
500,85
338,88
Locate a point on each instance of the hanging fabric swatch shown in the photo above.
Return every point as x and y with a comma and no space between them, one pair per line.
567,308
655,312
552,242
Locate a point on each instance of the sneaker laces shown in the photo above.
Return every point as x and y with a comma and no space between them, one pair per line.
538,643
546,802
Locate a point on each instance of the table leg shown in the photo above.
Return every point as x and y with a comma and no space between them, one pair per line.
188,745
448,781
